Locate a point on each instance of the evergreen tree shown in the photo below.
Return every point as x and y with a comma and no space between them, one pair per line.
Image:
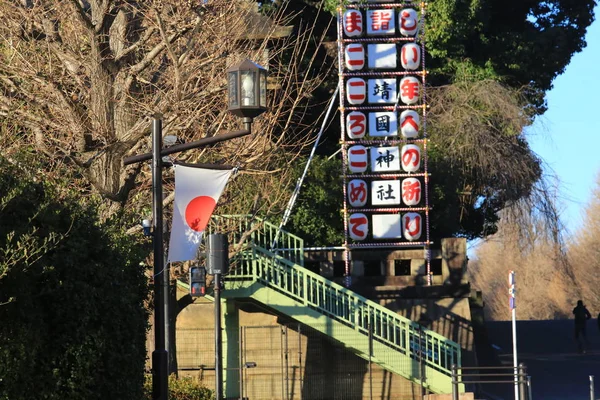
72,293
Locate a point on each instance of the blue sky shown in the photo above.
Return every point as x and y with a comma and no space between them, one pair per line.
567,136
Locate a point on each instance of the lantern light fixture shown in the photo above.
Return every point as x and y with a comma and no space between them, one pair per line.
247,90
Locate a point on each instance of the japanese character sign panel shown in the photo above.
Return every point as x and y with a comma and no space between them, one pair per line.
357,193
353,23
381,22
410,123
358,159
354,56
383,124
408,20
382,91
385,159
386,226
411,157
356,91
412,226
410,90
358,225
356,125
410,56
385,193
411,191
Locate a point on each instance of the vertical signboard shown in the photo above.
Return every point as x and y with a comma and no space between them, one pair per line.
383,112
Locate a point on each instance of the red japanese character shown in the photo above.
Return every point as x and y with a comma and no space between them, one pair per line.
409,120
358,226
410,89
353,22
410,156
411,191
412,226
380,20
414,57
357,192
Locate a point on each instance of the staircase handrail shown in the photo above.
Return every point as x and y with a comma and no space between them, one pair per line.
263,235
343,305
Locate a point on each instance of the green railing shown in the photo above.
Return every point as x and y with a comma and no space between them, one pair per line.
387,328
371,330
244,229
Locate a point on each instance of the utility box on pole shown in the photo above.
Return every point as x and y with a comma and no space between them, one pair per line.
217,254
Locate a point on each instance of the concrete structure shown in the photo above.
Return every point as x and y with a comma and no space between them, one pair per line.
294,361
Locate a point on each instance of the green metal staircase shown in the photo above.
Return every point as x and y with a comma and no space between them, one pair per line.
278,280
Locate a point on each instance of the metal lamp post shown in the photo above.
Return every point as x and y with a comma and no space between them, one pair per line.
247,88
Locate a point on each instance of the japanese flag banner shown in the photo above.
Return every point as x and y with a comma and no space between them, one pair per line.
197,192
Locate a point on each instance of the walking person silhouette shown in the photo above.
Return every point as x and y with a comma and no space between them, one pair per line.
581,314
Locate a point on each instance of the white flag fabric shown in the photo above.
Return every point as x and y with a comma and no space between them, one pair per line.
197,192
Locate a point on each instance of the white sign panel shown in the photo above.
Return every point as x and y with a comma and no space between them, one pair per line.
385,159
385,193
383,124
383,91
387,226
382,56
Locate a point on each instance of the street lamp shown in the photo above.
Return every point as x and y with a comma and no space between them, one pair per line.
247,86
247,90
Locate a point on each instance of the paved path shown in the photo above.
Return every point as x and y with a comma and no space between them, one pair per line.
548,349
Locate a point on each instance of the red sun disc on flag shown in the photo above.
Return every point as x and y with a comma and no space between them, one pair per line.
198,212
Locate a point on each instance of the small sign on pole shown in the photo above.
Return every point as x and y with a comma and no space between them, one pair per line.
513,309
511,290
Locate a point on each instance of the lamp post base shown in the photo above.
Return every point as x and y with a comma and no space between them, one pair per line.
160,378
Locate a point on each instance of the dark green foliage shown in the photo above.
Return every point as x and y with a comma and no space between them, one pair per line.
522,42
317,216
72,294
185,388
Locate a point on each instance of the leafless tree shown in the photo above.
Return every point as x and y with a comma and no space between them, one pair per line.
80,80
584,251
482,123
530,242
